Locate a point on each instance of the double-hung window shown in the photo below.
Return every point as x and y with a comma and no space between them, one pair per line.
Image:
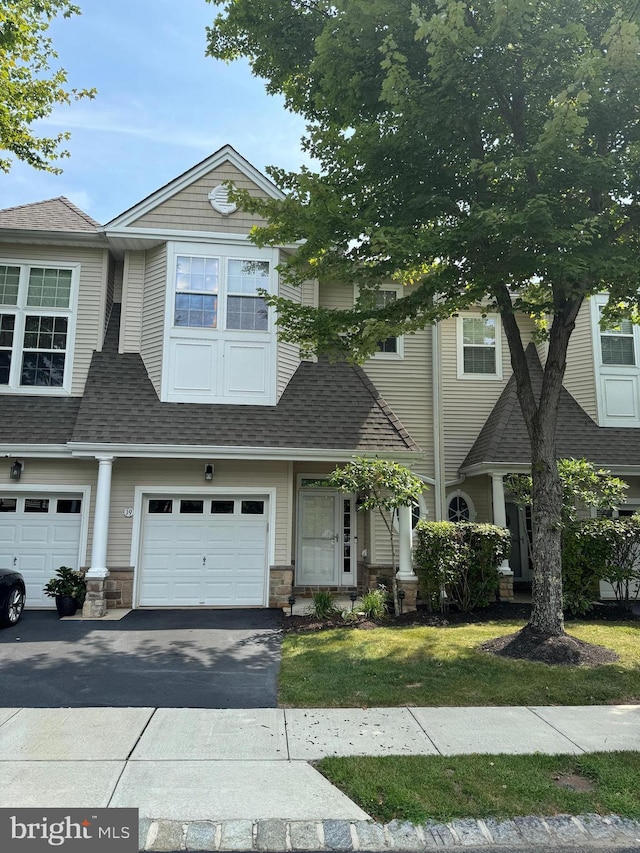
479,352
617,344
221,293
35,326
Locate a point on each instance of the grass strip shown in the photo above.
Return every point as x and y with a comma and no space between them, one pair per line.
391,666
441,788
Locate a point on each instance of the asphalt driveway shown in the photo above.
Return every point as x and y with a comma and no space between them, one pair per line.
150,658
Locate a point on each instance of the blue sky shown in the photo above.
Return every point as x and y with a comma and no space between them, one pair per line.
161,107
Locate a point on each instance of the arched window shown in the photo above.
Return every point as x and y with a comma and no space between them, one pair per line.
460,507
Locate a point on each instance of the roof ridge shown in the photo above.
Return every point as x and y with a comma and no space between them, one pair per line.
73,207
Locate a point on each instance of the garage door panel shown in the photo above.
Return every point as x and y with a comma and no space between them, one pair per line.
212,559
31,534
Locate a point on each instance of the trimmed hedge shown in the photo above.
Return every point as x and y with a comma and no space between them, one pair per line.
606,549
462,559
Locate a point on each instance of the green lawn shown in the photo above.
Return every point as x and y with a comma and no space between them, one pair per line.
441,666
421,788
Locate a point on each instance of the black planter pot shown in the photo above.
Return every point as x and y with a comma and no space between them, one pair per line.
66,605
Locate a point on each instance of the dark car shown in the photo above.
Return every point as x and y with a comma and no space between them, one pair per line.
12,596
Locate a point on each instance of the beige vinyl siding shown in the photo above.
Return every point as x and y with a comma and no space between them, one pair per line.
190,209
89,318
310,293
336,296
132,302
406,385
152,336
111,284
183,474
288,354
467,403
579,377
117,281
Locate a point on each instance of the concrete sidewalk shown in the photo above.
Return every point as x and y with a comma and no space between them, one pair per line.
239,779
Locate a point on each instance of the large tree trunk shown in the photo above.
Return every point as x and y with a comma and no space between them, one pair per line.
541,417
546,616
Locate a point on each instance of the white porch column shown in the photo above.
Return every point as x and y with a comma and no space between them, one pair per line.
405,565
98,568
500,512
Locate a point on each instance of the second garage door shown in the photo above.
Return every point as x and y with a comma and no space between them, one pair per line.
200,551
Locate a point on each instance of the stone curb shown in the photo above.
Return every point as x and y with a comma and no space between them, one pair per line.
343,836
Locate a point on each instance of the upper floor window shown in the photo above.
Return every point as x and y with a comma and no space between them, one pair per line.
35,325
221,293
391,347
384,298
479,350
617,344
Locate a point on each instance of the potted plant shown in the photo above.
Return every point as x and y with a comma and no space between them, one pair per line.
68,587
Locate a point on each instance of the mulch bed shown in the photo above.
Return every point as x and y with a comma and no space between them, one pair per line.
499,611
558,651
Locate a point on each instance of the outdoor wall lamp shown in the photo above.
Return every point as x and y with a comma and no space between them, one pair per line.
15,472
208,471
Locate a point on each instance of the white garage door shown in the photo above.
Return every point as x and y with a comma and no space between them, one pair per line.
203,551
38,534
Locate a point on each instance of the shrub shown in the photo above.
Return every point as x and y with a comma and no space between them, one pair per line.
323,605
374,603
586,552
438,557
463,558
623,570
601,549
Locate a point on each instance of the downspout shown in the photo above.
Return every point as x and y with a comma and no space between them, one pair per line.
438,433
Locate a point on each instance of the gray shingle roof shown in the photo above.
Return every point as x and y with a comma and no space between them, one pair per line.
37,420
325,406
504,437
54,214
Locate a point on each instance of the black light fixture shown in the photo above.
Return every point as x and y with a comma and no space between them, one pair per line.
353,595
401,596
292,601
208,471
15,472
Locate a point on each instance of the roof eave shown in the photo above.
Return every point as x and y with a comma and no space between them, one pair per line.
168,451
96,240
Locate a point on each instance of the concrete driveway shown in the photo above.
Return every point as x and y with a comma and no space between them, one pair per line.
149,658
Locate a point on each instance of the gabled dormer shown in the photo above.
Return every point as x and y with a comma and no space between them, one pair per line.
191,278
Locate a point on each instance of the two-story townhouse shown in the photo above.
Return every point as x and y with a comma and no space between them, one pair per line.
156,432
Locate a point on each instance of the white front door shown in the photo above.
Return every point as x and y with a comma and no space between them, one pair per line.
325,553
38,534
204,552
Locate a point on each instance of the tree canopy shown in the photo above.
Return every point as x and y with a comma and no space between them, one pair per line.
29,89
485,152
